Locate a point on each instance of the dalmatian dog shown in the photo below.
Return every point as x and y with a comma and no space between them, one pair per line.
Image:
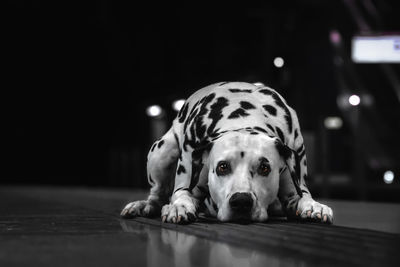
234,149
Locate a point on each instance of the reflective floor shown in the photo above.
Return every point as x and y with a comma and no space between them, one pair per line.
79,227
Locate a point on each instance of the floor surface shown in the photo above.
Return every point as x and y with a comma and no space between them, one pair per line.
49,226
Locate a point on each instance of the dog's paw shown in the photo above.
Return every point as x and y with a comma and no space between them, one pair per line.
309,209
178,213
142,208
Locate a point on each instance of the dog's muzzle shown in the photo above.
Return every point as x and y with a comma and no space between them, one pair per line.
241,203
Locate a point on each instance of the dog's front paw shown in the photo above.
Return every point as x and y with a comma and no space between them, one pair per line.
309,209
143,208
179,213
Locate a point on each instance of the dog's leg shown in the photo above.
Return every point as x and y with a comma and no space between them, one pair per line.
161,166
304,206
301,207
187,196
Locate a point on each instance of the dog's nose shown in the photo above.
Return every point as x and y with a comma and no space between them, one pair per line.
241,202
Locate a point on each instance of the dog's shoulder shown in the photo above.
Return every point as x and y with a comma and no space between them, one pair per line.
231,105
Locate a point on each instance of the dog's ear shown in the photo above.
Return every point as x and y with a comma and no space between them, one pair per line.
201,151
291,160
199,160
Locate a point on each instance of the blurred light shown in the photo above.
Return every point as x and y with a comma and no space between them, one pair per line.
335,37
388,177
376,49
259,84
279,62
178,104
333,123
354,100
342,101
368,100
154,111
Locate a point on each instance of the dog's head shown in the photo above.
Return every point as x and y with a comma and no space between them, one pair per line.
243,174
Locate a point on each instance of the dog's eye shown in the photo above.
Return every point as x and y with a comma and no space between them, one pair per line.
264,169
223,168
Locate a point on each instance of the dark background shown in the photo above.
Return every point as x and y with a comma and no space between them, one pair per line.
79,76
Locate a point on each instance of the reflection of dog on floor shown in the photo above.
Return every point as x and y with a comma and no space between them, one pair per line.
166,247
235,147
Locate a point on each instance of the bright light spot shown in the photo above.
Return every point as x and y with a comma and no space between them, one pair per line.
376,49
333,122
279,62
354,100
154,111
178,104
388,177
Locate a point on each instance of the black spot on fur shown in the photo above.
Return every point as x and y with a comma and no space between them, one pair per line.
260,129
283,150
195,122
176,138
254,133
305,162
300,149
153,146
216,113
288,116
280,134
270,127
200,149
197,164
215,134
193,113
180,188
296,134
181,169
251,174
266,91
203,189
200,129
240,90
270,109
186,142
238,113
207,99
246,105
302,154
199,124
304,191
292,204
196,169
183,113
296,174
151,181
215,206
242,154
160,143
223,83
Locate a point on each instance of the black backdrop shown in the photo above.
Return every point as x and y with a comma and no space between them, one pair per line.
78,76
